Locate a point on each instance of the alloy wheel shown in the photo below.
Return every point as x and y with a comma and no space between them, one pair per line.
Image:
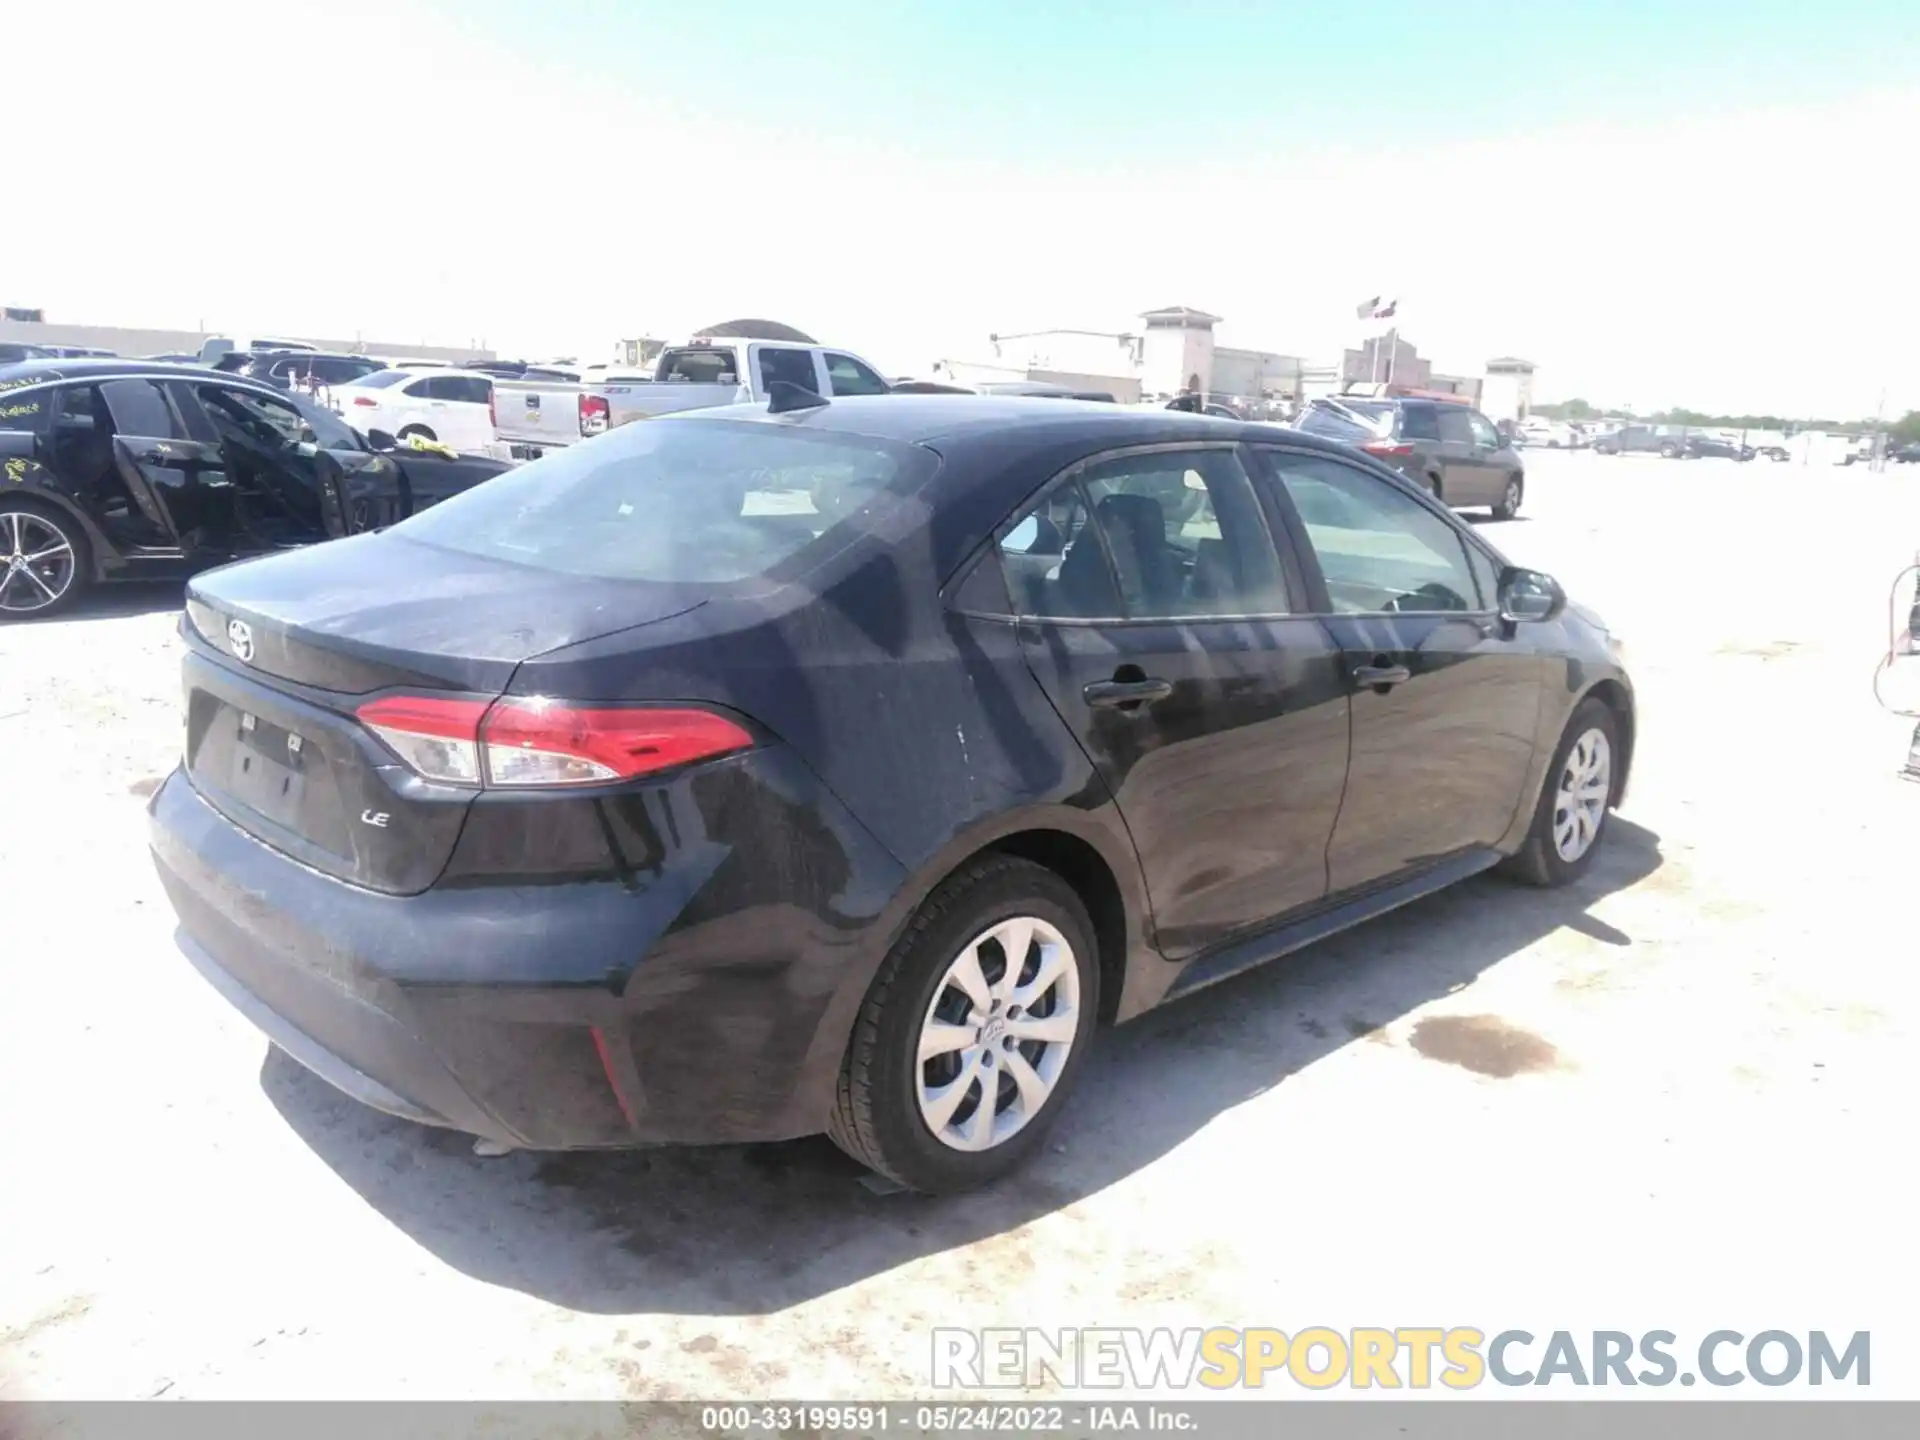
37,562
1580,802
997,1033
1512,500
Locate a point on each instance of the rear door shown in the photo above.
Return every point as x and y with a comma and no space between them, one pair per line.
1468,478
464,404
790,365
178,484
1444,699
1156,612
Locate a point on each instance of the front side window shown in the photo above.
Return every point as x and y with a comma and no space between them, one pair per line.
1380,549
849,377
680,501
1484,435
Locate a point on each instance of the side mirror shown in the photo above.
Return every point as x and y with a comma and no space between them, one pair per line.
19,445
381,440
1528,596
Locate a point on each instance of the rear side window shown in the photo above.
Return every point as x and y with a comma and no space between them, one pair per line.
26,410
681,501
1351,422
794,367
381,379
423,389
1418,422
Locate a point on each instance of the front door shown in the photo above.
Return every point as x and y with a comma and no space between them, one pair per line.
1158,618
1445,702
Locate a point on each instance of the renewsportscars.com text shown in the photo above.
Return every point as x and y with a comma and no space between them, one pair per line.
1457,1358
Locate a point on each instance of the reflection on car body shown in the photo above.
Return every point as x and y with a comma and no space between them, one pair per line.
746,774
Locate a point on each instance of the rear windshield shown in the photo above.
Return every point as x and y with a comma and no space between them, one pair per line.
696,501
700,364
1353,420
381,379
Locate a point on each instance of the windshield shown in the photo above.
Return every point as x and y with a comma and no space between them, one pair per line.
381,379
1347,419
698,501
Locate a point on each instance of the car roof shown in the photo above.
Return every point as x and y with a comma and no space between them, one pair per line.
917,419
93,367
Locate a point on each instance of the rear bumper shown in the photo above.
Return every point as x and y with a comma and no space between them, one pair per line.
701,1004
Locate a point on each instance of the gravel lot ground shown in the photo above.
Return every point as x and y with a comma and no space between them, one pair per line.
1713,1040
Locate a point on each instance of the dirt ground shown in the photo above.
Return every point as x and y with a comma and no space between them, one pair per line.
1679,1096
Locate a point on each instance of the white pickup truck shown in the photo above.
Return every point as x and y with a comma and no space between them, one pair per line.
532,416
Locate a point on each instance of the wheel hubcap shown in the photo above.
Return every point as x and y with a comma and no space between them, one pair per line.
1580,802
39,562
996,1036
1513,496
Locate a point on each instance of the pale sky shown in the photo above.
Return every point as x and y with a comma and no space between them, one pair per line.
511,178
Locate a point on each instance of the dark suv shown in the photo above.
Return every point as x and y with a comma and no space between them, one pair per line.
289,368
1446,447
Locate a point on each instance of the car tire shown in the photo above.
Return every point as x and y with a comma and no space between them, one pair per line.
1510,499
1669,452
1566,796
926,1133
29,527
409,431
1433,486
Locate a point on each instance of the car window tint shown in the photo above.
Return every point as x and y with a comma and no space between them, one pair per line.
791,367
381,379
139,407
1453,426
700,365
1054,563
421,389
244,414
849,377
1379,548
693,501
1185,534
1483,431
1486,575
1418,422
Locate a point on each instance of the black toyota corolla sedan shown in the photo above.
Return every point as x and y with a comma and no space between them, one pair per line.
128,469
742,775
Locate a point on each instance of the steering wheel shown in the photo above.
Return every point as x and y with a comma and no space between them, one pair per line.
1430,596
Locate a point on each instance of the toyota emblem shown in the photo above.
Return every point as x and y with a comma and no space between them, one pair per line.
240,637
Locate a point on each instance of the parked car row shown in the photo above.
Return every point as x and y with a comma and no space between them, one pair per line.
123,470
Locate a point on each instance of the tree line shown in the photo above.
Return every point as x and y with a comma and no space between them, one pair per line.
1904,430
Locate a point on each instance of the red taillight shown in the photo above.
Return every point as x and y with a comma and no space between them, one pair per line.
538,742
594,414
366,400
1387,447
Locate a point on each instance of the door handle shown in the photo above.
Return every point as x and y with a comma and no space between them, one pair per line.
1381,677
1109,694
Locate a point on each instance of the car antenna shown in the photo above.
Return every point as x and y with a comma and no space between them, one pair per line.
784,395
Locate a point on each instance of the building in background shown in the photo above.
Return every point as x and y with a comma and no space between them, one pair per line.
134,344
1507,393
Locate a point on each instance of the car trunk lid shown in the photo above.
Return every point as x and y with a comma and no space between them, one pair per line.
284,651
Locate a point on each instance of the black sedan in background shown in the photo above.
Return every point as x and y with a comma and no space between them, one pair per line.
130,469
743,775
